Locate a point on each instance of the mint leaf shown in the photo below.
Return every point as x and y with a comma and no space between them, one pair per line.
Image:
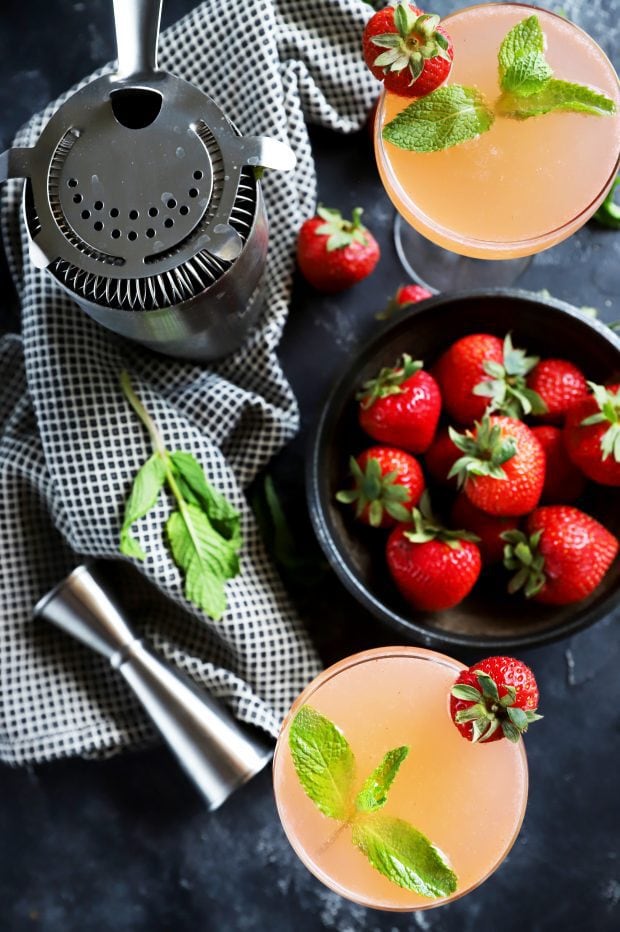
203,534
374,792
556,95
447,117
195,489
144,493
523,68
324,762
527,75
404,855
206,558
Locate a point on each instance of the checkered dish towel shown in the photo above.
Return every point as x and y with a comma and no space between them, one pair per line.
70,445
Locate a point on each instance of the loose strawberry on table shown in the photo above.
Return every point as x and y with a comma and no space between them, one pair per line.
334,253
560,384
495,698
502,470
407,50
405,296
562,557
434,568
592,434
387,483
401,406
564,483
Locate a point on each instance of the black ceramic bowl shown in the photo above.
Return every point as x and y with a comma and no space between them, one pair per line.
488,618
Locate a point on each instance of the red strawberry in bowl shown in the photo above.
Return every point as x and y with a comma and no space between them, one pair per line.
560,384
487,528
482,373
334,253
563,481
495,698
387,483
401,406
407,50
502,470
434,568
441,457
592,434
562,557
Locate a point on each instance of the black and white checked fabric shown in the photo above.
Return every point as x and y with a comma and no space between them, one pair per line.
70,445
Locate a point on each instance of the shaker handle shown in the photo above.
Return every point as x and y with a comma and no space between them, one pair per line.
136,23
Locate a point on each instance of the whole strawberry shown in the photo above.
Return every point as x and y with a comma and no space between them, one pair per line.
563,481
563,556
334,253
433,568
404,48
495,698
401,406
387,483
487,528
560,384
592,434
405,296
502,470
441,457
482,373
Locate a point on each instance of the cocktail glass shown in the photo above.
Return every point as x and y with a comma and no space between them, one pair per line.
519,188
468,799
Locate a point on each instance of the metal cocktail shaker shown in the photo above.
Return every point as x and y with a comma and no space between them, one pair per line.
215,751
142,201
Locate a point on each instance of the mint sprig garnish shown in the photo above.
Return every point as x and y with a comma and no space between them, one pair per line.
454,114
325,765
446,117
404,855
203,532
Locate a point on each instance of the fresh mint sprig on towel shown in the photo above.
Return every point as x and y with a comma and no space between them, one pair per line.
203,531
454,114
325,765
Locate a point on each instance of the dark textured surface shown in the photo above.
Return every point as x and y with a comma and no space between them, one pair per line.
125,844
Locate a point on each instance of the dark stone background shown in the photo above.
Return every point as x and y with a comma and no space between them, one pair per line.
125,844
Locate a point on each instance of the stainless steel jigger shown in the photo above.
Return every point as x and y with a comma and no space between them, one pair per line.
207,741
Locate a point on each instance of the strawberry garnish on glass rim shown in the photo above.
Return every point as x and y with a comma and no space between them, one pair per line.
495,698
417,56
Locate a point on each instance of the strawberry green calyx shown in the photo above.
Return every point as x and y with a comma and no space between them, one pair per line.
428,527
389,381
377,491
507,387
484,452
521,553
489,712
416,41
340,232
609,412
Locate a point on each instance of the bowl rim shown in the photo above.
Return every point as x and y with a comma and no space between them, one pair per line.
415,630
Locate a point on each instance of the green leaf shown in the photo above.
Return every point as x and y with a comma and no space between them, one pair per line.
464,691
524,38
197,491
556,95
404,855
523,69
528,75
609,212
374,792
206,558
324,762
144,493
446,117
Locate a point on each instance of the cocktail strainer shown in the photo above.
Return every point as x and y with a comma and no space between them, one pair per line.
141,200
